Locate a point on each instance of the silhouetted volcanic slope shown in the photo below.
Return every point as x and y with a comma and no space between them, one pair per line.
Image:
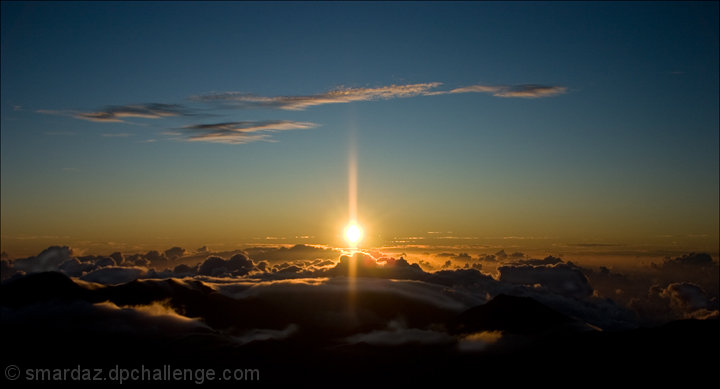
49,320
192,299
41,287
321,311
512,314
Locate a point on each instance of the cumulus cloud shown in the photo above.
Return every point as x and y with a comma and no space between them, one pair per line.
687,297
292,253
365,265
692,260
240,132
238,265
680,300
700,268
183,270
49,259
549,260
175,252
462,257
564,279
502,256
114,275
74,268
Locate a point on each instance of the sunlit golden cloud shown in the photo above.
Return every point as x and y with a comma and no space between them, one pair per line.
347,95
335,96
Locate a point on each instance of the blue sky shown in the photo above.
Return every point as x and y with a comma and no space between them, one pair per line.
625,150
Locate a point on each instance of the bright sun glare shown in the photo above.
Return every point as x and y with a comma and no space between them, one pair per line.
353,234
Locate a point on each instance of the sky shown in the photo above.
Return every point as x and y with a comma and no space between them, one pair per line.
226,124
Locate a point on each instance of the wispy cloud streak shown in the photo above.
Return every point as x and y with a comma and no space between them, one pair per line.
146,111
239,132
347,95
523,91
336,96
116,113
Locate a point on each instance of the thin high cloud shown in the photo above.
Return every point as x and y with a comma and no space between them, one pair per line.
147,111
335,96
116,113
530,91
239,132
347,95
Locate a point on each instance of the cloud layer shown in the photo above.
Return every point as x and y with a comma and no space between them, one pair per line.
299,308
680,288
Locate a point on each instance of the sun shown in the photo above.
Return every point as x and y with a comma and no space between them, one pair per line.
353,234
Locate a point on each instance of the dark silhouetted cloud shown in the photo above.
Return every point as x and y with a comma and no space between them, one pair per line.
564,279
690,299
257,335
396,334
239,132
175,252
74,268
238,265
48,260
116,113
523,91
114,275
549,260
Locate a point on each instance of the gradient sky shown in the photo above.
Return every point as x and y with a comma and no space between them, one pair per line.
578,123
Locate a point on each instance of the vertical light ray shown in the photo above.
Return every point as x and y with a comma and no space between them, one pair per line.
352,216
352,183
